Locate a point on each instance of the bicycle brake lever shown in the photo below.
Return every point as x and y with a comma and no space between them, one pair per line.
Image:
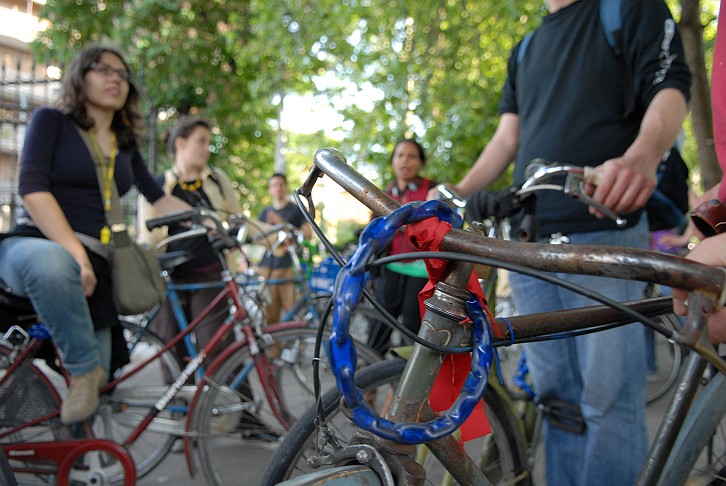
574,186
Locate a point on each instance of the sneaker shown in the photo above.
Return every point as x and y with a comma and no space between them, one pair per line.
82,399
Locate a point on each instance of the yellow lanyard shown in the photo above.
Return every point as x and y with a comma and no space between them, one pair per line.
107,172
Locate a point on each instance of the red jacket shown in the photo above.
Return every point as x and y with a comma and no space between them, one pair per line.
416,191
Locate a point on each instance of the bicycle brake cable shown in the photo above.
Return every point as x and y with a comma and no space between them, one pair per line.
547,277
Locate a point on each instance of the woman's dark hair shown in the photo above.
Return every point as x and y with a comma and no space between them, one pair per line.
421,154
183,129
126,121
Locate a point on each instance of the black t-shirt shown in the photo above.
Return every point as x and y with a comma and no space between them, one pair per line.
568,90
292,214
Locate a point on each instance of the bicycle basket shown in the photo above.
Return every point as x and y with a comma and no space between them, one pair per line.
24,397
322,278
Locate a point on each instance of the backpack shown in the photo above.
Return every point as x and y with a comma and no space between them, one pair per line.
669,201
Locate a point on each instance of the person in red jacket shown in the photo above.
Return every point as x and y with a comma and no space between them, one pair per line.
399,283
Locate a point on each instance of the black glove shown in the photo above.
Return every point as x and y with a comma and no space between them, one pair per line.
498,204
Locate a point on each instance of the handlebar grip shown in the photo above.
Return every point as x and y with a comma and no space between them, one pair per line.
168,219
591,175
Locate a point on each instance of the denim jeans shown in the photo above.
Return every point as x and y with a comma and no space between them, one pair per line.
603,373
45,272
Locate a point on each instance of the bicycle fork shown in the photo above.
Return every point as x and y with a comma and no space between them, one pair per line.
445,310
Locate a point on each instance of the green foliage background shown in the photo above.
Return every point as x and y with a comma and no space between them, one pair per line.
436,66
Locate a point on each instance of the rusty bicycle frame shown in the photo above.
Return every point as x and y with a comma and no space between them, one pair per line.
706,286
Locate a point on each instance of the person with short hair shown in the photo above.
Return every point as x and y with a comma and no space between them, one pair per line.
279,267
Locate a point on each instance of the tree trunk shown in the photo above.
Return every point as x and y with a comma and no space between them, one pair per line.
691,31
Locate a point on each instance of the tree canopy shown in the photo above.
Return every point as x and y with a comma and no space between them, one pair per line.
432,69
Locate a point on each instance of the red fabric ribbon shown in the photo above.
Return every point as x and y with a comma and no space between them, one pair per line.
427,235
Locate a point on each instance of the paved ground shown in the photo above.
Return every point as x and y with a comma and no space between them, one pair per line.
173,470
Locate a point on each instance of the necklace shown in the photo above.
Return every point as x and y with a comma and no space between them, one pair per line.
190,187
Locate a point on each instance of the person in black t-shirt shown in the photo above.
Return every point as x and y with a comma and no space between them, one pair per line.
573,99
274,267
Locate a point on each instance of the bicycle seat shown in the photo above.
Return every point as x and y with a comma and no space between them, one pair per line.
15,302
14,310
169,261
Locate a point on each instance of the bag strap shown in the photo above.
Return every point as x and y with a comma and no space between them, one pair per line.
114,216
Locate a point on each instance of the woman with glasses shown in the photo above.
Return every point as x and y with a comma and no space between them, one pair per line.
57,253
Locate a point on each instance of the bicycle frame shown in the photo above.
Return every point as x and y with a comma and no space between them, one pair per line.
705,284
229,292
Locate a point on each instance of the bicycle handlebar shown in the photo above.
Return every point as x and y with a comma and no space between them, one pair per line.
539,171
194,215
617,262
229,238
593,260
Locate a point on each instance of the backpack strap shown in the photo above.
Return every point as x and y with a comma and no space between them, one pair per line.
611,19
523,46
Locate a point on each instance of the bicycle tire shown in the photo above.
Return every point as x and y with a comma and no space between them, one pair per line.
218,414
699,454
125,407
669,356
501,454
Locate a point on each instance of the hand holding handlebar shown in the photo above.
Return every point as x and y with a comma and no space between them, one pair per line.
621,187
577,181
711,251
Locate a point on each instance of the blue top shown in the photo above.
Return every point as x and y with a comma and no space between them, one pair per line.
55,159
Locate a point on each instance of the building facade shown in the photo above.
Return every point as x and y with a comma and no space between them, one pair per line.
26,82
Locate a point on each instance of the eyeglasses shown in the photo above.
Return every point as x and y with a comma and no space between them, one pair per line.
107,71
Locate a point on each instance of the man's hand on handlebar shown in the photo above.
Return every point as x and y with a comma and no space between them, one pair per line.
711,251
621,186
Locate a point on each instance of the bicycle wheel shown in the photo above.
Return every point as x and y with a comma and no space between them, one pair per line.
668,357
25,396
123,409
234,399
699,454
7,478
500,455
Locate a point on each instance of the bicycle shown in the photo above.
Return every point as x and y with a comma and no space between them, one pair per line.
381,448
665,358
149,404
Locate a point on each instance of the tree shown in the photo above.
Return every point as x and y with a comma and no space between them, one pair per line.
694,21
228,61
432,69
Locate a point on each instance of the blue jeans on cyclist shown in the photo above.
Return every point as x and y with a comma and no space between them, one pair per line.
45,272
603,373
